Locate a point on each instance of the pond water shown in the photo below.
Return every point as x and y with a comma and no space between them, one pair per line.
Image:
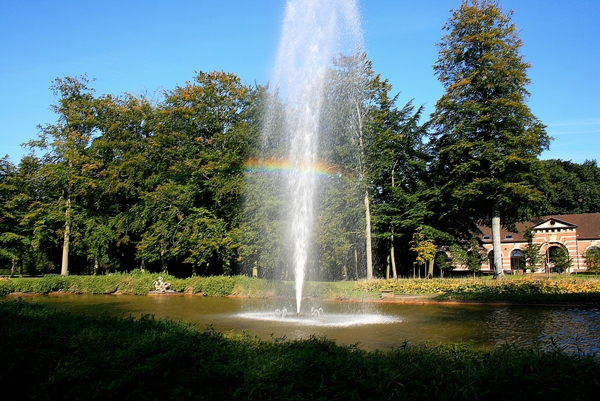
370,325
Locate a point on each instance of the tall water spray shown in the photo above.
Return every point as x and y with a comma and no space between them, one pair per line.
314,32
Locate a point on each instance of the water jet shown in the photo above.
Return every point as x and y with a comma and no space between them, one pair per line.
314,32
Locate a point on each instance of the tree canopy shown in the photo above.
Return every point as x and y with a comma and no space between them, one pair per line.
485,140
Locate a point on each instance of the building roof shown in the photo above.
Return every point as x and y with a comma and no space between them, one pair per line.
587,225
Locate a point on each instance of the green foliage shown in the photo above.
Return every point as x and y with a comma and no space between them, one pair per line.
469,254
560,257
42,285
592,259
423,246
158,182
566,289
485,139
213,286
533,257
512,289
51,355
6,286
575,187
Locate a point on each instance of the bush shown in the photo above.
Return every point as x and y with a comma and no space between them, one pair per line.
91,284
42,285
6,286
217,285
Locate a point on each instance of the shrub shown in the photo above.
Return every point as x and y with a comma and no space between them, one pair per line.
91,284
6,287
217,285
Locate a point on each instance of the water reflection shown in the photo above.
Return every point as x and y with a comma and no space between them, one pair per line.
574,329
372,325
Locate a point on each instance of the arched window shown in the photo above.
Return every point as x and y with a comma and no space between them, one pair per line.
592,258
517,260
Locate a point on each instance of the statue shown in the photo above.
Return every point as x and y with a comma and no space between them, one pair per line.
161,287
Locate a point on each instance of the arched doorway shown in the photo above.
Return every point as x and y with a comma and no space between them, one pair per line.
557,258
517,260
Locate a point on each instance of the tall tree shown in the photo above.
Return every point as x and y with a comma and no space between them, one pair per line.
10,238
485,138
66,165
203,132
355,93
397,160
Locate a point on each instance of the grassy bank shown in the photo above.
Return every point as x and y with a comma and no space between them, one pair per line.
521,289
142,283
524,289
49,355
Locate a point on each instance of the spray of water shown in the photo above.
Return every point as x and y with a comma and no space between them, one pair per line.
314,32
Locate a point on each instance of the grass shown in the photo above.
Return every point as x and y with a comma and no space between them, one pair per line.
48,355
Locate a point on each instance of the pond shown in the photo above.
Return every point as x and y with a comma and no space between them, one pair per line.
371,325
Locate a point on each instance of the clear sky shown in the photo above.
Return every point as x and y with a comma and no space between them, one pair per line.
140,46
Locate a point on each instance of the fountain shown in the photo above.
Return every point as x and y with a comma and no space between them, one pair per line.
314,33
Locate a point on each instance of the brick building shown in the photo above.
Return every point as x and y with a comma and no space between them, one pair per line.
575,233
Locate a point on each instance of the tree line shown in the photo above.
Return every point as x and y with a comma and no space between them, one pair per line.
172,182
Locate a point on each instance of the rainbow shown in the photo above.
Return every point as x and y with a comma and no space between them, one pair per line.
283,166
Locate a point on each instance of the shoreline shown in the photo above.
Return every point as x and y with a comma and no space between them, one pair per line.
408,299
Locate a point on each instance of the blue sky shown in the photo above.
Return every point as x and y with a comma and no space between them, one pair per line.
140,46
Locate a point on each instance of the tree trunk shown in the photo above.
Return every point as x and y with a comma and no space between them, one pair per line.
498,272
64,268
356,262
393,257
392,253
387,270
163,263
368,236
431,264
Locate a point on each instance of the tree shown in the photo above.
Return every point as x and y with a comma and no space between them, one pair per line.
468,254
11,239
575,187
533,256
560,258
66,164
354,92
442,262
592,259
398,164
485,139
425,248
360,113
193,207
